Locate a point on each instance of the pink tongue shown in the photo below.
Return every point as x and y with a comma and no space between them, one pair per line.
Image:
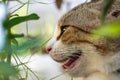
68,63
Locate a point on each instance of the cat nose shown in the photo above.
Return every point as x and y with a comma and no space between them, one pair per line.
48,49
49,45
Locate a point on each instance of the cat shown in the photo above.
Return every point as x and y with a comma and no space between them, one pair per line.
79,54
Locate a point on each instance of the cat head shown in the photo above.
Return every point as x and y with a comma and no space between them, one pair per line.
73,46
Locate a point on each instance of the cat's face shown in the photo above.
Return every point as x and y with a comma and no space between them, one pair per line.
73,46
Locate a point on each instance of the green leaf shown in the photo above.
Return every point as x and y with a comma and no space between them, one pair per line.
3,55
15,15
106,5
17,35
17,20
110,30
26,45
14,41
32,44
7,69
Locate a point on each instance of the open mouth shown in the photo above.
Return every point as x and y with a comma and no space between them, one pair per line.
71,61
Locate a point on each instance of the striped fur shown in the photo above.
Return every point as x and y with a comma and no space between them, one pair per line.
99,59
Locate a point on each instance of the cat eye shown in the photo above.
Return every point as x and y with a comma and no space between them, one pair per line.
63,29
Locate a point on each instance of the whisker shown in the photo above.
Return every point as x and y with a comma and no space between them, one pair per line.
57,76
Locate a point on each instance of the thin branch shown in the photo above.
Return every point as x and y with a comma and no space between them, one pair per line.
27,68
18,8
27,14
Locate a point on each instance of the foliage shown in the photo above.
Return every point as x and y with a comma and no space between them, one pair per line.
6,69
9,23
13,45
106,5
111,29
59,3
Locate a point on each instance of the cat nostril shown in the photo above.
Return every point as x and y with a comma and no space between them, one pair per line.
48,49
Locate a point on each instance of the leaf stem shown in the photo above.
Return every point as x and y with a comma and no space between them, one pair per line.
27,14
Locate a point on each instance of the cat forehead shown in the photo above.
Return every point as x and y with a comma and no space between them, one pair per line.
81,17
87,16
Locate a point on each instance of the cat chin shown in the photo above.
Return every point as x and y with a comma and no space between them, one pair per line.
78,70
78,73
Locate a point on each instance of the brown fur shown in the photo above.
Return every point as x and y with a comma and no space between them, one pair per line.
99,57
87,23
